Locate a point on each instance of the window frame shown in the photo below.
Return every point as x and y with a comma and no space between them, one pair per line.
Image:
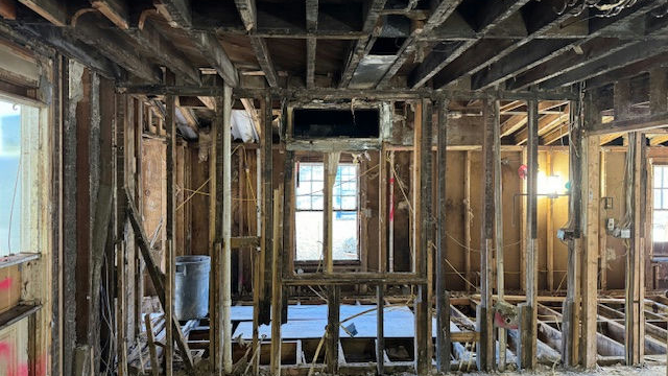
36,236
337,262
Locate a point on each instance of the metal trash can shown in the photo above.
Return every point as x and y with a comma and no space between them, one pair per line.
192,287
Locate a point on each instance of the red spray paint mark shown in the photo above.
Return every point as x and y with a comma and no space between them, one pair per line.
6,284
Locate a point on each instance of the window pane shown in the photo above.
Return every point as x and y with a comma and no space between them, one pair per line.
349,203
318,171
304,172
303,202
658,171
664,200
657,199
317,202
309,236
664,174
10,186
660,226
345,236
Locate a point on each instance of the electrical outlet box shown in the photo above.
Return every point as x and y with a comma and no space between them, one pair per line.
565,234
610,224
622,233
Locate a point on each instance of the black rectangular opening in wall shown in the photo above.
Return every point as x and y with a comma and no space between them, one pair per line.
321,123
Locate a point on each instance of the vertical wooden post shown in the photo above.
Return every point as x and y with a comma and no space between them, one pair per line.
331,164
528,321
443,345
277,288
550,227
119,182
591,190
571,312
215,212
267,210
484,325
382,259
170,227
468,219
226,257
498,227
422,230
333,320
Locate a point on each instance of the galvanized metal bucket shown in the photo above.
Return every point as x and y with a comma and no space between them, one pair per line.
192,287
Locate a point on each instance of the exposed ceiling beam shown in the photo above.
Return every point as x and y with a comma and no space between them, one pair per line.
588,51
442,11
516,122
362,46
53,11
157,46
113,45
115,10
179,14
634,124
71,47
628,71
484,21
540,52
249,106
248,13
636,52
311,43
546,123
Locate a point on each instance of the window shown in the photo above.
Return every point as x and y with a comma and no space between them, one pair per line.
660,205
309,213
20,169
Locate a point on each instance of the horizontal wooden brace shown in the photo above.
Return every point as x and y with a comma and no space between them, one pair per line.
635,124
334,94
244,241
354,279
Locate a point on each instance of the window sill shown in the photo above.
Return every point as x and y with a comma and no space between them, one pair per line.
16,314
19,258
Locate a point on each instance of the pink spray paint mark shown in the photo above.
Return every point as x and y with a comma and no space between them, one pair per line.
6,283
8,353
391,203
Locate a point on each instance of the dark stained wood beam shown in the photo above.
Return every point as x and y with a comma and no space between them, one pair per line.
264,59
634,53
634,124
311,43
114,45
588,51
248,13
72,47
157,46
179,13
628,71
439,14
115,10
53,11
361,47
527,57
442,56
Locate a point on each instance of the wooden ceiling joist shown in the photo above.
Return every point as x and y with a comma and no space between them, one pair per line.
115,10
311,43
634,53
442,11
179,14
361,46
53,11
113,45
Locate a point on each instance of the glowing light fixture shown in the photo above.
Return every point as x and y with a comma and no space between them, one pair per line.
551,185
